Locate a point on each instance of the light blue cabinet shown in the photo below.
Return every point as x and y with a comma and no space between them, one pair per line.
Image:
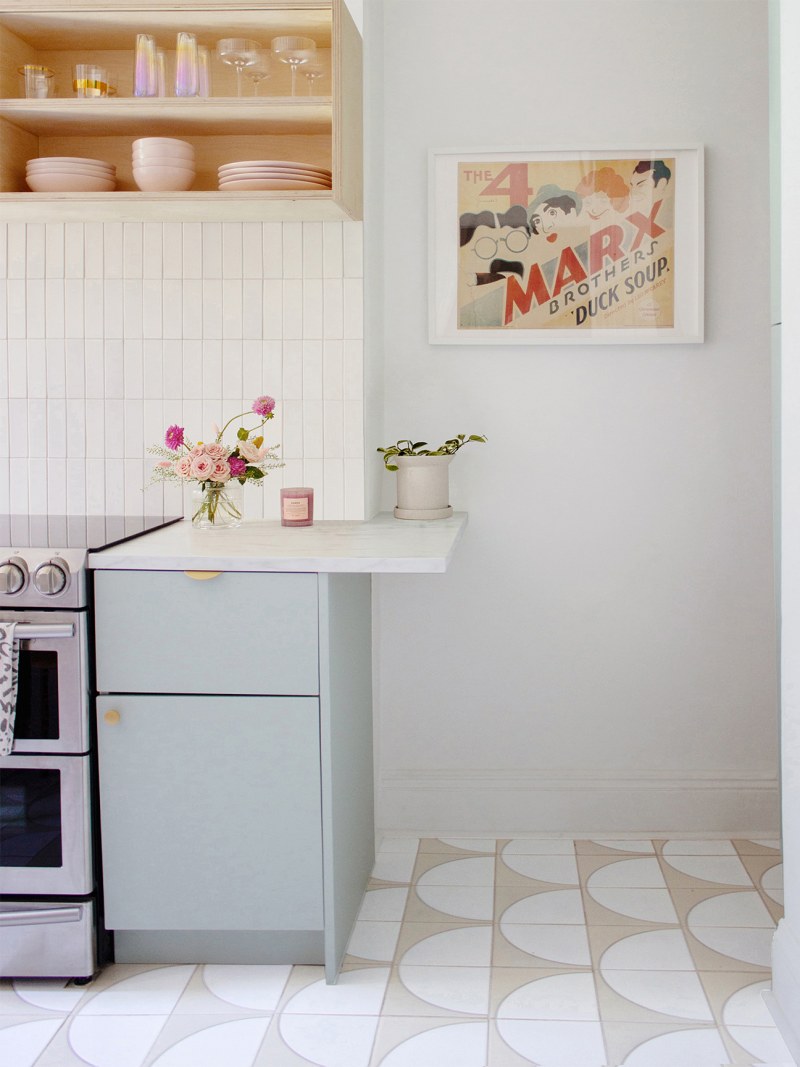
235,764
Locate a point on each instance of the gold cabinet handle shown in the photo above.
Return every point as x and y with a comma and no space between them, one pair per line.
202,576
112,717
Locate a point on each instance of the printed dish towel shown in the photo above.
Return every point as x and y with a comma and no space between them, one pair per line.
9,664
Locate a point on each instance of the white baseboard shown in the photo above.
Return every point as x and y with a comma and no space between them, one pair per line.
553,799
784,1001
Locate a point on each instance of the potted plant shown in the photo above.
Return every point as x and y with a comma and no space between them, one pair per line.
423,489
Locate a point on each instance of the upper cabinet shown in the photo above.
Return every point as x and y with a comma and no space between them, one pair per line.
320,125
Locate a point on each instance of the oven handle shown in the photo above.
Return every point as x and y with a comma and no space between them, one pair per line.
29,631
39,917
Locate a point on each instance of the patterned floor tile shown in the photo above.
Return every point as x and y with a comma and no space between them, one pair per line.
372,942
461,992
430,1042
693,872
540,945
605,872
536,846
757,846
434,869
202,1041
221,990
551,906
103,1041
718,948
393,867
537,871
38,996
436,903
631,948
659,1045
23,1038
384,905
615,847
626,907
455,847
652,996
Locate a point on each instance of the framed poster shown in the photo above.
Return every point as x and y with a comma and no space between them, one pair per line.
564,246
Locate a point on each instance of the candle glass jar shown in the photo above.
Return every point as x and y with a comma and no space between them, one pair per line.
297,506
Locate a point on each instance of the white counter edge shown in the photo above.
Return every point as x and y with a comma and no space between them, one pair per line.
381,545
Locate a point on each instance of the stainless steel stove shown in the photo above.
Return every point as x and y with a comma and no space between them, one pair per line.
49,897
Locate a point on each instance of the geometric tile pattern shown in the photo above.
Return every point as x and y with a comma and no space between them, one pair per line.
471,953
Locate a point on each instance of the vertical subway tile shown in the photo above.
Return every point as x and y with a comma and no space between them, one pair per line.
292,474
95,369
292,431
18,486
312,307
152,250
133,434
37,428
152,307
312,249
212,370
54,250
192,308
254,379
135,473
314,475
114,441
57,428
17,428
154,425
3,311
93,315
73,308
54,308
333,370
3,249
333,304
354,503
232,376
333,428
212,308
272,308
76,428
312,370
132,368
192,370
212,249
292,308
17,367
173,368
35,250
16,307
333,482
232,265
272,367
353,307
251,308
232,307
114,468
252,251
192,250
36,360
76,487
312,429
112,250
95,486
132,303
353,428
113,308
172,250
293,370
56,368
114,370
56,475
4,385
172,309
272,249
93,249
152,369
37,485
74,250
332,250
292,250
132,250
15,250
353,249
74,369
34,308
5,487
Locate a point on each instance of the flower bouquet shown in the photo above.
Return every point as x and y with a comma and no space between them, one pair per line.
218,471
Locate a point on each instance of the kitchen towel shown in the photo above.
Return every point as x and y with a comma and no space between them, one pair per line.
9,664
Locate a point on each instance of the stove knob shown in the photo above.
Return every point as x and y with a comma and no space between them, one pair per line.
51,578
13,576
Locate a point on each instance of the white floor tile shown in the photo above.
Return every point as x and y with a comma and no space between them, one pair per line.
256,987
653,905
762,1042
461,902
731,909
469,946
114,1040
626,846
523,846
628,874
24,1042
50,994
556,1044
374,941
554,906
384,905
356,993
699,848
471,844
687,1048
459,1044
723,870
556,997
474,872
233,1044
678,993
151,992
751,945
560,944
330,1040
652,950
746,1007
561,870
464,989
394,866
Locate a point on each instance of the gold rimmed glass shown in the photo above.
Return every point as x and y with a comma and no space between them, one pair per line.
295,51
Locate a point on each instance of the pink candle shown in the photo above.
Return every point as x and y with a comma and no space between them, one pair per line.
297,506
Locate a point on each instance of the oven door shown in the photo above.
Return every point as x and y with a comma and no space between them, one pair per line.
45,826
52,688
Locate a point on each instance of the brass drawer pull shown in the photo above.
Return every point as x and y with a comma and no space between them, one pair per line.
112,717
202,576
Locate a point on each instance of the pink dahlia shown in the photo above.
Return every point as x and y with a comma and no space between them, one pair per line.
173,438
237,466
263,406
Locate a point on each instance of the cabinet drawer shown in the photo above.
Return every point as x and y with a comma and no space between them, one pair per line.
164,632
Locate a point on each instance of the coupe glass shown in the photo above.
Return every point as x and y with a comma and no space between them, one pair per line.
238,52
260,70
295,51
312,71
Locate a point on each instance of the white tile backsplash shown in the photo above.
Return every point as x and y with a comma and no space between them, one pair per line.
109,332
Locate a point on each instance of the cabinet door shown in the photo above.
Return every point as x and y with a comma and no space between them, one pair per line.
210,812
165,632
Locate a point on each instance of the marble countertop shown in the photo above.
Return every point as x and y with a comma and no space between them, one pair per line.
381,545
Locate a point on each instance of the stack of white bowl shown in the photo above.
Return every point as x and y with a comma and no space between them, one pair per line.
70,174
163,164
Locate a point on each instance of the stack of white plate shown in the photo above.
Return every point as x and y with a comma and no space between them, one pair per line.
70,174
163,164
272,174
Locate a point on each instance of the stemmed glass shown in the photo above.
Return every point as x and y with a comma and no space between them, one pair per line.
238,52
294,51
312,71
260,70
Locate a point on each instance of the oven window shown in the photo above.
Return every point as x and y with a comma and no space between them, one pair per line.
37,696
30,818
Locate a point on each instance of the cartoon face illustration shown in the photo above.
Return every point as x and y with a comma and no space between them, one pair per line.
648,183
552,211
603,192
491,244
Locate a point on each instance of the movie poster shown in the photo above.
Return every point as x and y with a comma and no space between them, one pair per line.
571,244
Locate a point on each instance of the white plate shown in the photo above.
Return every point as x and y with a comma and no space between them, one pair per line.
72,168
270,183
69,183
289,175
52,160
273,164
77,172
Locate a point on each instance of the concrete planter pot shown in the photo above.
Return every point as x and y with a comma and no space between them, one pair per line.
423,487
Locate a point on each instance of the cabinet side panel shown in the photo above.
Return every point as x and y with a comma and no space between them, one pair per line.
346,735
348,111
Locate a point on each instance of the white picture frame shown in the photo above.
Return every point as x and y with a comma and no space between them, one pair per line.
456,316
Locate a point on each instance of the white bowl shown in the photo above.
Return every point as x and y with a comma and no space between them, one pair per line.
161,144
163,179
162,159
54,160
69,183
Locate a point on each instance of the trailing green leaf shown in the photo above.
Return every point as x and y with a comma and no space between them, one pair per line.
418,448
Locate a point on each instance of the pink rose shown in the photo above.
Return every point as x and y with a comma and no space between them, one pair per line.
216,451
183,467
220,471
249,451
197,451
201,467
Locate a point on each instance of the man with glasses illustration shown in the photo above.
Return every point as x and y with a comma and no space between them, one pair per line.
491,244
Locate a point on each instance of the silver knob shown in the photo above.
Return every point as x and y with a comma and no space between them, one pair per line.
51,578
13,576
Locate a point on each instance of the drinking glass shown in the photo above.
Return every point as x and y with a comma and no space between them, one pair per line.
238,52
144,69
186,66
312,71
89,80
203,73
260,70
295,51
161,72
38,80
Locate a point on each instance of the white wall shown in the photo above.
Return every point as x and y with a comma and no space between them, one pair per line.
111,332
602,654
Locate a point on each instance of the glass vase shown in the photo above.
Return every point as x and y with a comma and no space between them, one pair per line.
217,506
